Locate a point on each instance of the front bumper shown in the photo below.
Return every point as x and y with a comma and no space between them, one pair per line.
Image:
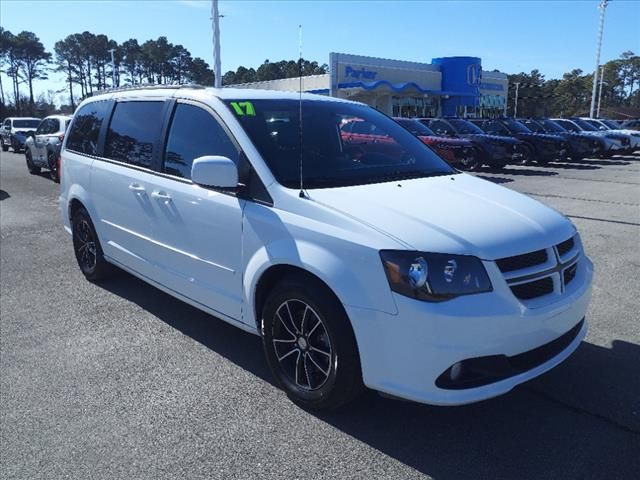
403,355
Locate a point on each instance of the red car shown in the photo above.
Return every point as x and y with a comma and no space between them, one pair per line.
458,152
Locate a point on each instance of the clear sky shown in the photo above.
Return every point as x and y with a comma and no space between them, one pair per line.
512,36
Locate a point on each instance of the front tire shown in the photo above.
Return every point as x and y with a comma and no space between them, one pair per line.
33,170
87,248
471,163
5,147
310,345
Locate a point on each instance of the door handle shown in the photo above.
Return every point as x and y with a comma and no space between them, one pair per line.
136,187
161,196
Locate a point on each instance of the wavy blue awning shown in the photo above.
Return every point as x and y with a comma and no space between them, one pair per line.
399,87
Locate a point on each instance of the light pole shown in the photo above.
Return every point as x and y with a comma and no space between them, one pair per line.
600,93
602,7
515,106
113,68
215,23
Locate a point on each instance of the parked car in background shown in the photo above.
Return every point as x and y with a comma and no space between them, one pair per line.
541,147
610,126
42,147
633,124
493,150
379,266
579,145
458,152
613,144
14,132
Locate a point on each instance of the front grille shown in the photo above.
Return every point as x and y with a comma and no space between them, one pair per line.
519,262
565,246
535,289
570,273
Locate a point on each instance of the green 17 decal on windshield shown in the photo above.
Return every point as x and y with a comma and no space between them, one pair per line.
243,108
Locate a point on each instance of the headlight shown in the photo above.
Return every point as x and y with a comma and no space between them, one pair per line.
434,277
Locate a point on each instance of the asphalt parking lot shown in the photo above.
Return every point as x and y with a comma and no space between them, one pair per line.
120,380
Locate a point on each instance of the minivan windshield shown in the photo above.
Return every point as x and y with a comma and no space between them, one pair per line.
26,123
343,144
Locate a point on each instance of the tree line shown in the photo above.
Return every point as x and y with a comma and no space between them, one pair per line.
84,59
86,63
571,95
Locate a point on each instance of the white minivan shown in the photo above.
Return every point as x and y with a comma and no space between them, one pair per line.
360,259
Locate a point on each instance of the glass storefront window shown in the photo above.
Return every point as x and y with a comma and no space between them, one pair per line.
412,106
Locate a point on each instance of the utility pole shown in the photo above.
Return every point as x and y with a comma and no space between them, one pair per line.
515,106
215,24
600,93
602,7
113,68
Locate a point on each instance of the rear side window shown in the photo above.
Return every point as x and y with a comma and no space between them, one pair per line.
83,136
133,131
194,133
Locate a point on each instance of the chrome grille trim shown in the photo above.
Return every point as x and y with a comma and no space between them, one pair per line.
561,267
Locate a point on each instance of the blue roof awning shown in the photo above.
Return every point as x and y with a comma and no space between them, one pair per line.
399,87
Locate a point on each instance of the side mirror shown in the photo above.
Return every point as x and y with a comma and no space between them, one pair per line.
214,171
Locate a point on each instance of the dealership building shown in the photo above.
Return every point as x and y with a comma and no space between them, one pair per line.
447,86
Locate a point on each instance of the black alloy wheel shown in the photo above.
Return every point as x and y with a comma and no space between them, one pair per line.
87,248
309,344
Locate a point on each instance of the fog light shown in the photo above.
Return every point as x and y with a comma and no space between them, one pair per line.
456,371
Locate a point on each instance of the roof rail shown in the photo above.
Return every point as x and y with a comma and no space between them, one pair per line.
146,86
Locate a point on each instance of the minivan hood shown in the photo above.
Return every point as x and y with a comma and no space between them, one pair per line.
457,214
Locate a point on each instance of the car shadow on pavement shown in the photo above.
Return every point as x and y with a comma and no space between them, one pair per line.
580,420
574,165
4,195
498,180
527,171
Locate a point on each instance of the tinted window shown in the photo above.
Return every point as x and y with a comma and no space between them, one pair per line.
48,126
133,131
464,126
83,136
415,127
42,128
494,128
333,157
551,126
568,125
26,123
533,126
441,127
194,133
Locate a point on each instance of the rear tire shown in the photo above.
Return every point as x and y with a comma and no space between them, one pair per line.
53,167
310,345
87,248
33,170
